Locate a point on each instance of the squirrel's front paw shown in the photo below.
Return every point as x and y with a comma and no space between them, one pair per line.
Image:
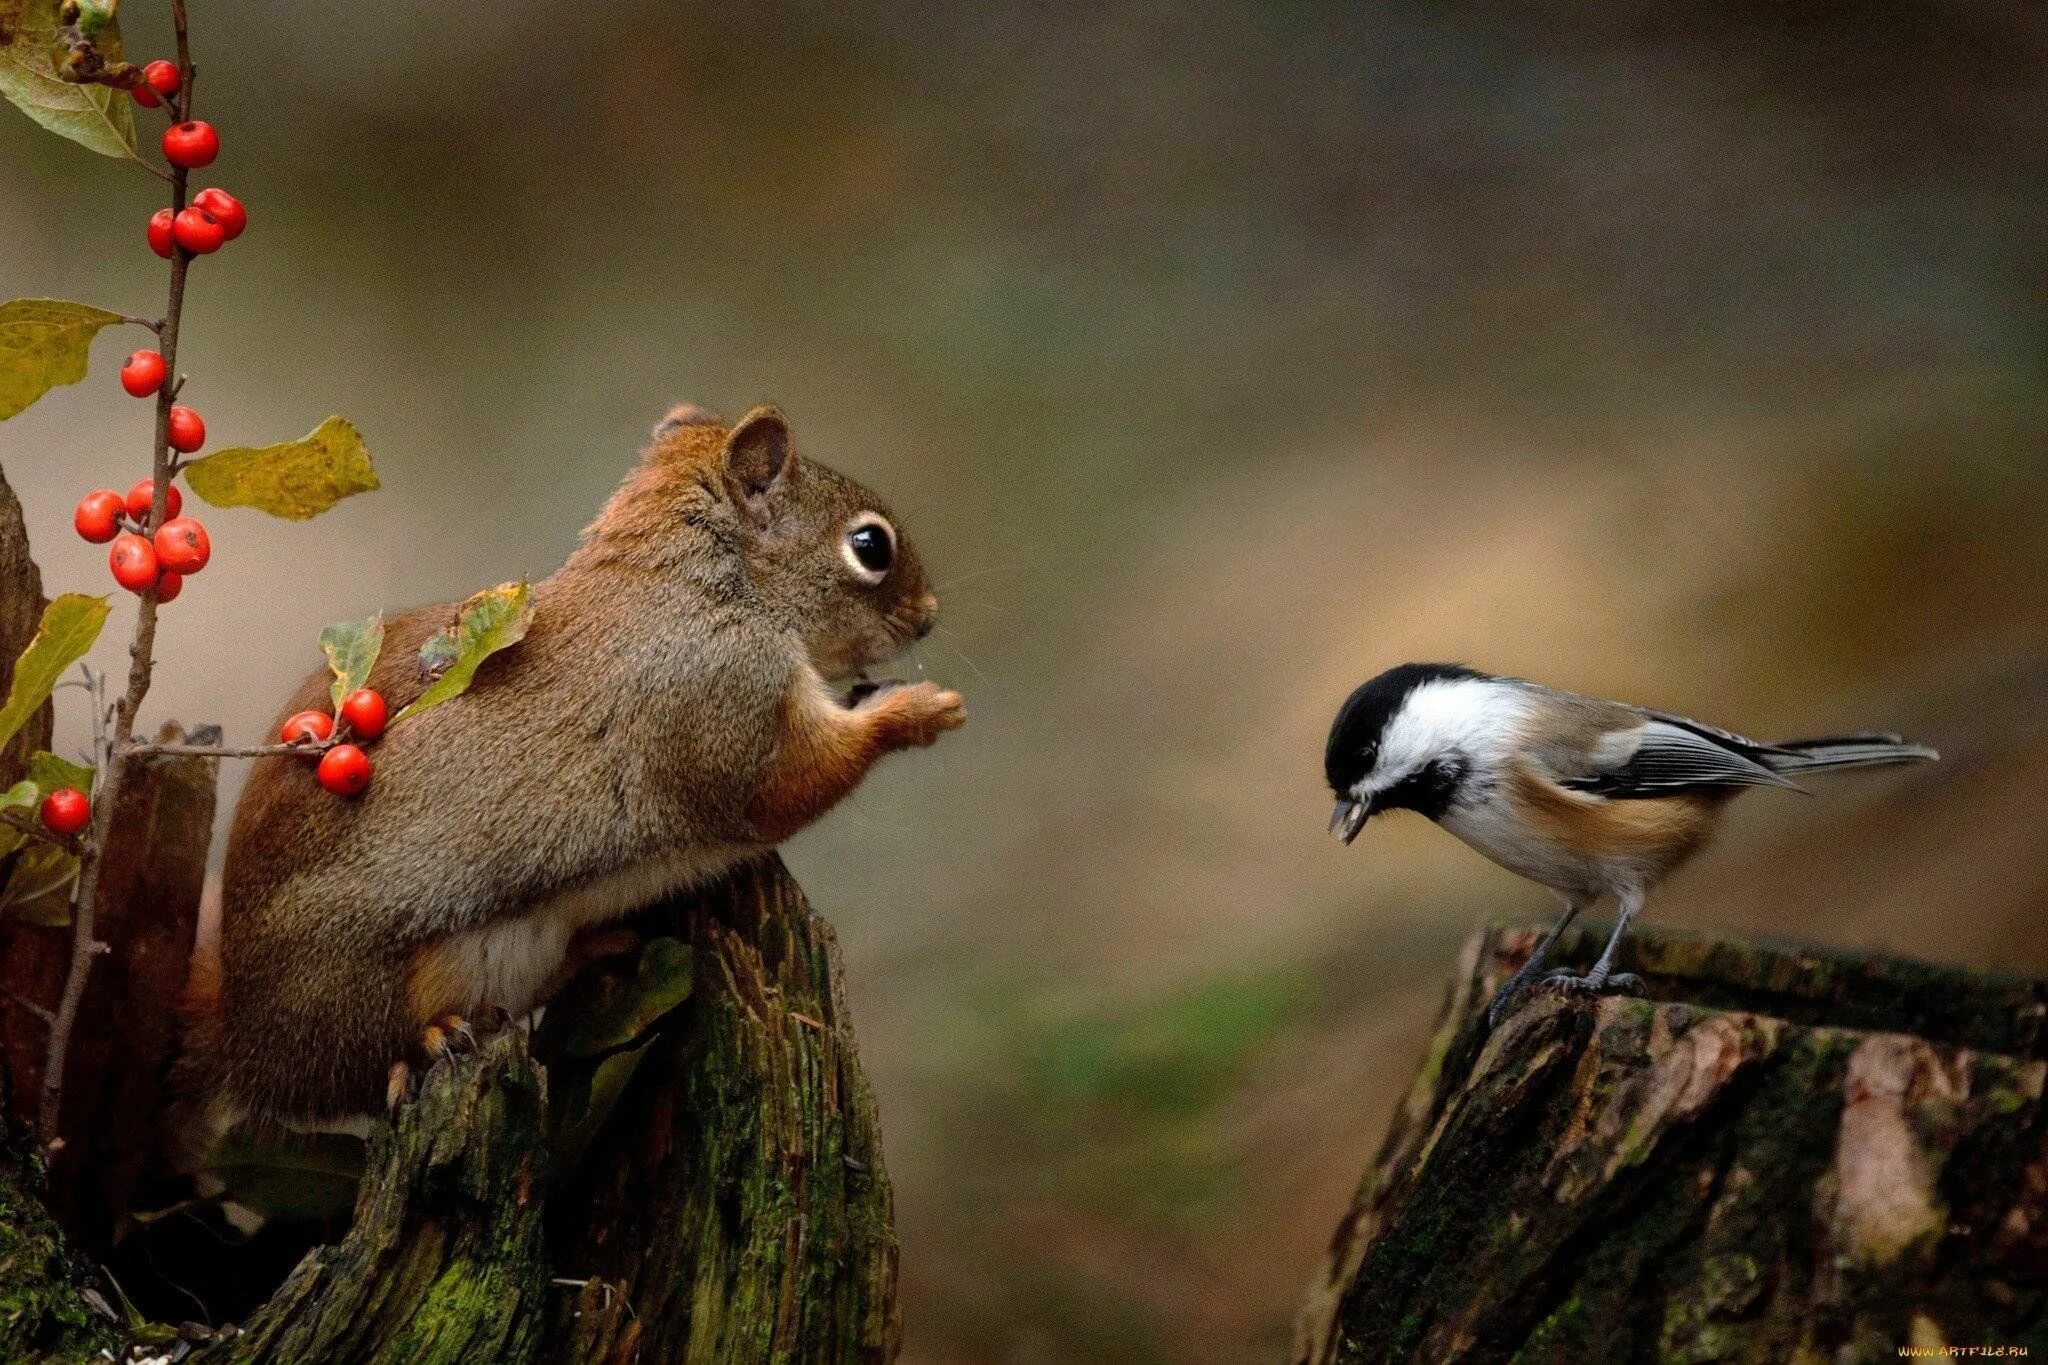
917,713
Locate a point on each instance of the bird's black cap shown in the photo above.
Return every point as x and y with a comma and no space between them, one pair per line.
1355,734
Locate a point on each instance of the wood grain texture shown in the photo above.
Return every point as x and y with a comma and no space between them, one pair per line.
1782,1154
733,1207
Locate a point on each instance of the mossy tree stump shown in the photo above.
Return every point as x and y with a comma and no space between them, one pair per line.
1778,1154
732,1206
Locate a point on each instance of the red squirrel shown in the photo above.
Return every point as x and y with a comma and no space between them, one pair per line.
669,712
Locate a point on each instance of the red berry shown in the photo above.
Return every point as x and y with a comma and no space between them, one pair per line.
168,586
188,433
306,725
160,232
182,545
133,561
138,497
98,517
225,210
345,770
162,78
198,231
145,96
365,712
143,375
191,144
65,811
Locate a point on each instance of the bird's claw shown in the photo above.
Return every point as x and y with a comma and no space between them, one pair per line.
1569,982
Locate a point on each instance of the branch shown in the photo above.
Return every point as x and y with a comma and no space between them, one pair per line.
84,947
310,748
34,829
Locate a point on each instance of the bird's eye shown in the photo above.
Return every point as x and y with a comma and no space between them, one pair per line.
869,548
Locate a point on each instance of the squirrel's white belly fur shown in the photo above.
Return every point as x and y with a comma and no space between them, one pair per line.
510,964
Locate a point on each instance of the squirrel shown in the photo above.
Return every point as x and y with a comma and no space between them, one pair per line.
668,713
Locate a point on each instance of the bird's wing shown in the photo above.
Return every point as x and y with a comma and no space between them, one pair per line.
1672,755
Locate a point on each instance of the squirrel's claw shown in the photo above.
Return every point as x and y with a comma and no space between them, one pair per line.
397,1087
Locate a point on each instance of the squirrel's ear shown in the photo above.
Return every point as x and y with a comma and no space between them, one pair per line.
756,457
686,415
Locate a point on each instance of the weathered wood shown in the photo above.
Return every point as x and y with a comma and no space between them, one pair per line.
737,1191
24,975
130,1019
732,1207
444,1261
1780,1154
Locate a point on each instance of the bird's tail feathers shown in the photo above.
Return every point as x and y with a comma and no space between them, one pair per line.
1844,751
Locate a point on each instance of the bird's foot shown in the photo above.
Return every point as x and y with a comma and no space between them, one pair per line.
1595,982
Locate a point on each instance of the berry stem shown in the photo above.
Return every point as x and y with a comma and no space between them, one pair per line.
34,829
84,946
305,749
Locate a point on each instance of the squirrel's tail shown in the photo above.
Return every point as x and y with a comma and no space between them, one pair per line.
1795,756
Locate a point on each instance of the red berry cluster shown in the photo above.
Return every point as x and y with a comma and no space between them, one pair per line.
139,560
344,768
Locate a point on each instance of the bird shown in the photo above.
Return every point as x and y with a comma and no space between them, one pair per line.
1589,798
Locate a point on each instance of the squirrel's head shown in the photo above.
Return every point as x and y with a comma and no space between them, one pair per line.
735,507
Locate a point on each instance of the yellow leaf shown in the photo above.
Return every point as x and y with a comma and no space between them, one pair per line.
292,479
488,622
95,116
69,627
44,343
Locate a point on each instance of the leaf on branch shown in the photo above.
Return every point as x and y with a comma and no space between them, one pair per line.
488,622
33,60
69,627
39,888
292,479
49,772
351,648
44,343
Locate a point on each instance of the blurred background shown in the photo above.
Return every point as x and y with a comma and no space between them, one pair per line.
1217,357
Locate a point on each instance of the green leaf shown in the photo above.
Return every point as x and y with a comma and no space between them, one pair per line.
50,772
95,116
39,888
44,343
69,627
488,622
22,795
292,479
351,648
290,1175
589,1102
602,1011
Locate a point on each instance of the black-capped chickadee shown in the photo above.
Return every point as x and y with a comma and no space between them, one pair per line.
1589,798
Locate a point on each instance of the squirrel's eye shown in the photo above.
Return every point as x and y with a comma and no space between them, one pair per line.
870,548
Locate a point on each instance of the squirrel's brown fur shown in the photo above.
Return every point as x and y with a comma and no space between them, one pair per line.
666,714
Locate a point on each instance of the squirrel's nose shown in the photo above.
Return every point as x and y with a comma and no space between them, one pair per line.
927,614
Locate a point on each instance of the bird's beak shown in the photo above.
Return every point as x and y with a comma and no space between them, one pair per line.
1349,817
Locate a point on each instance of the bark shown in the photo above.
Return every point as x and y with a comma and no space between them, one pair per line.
150,883
732,1207
1780,1154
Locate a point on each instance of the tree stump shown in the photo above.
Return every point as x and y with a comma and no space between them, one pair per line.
1779,1154
732,1204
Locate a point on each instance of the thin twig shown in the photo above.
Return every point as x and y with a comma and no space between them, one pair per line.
35,830
31,1006
84,946
310,749
151,323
